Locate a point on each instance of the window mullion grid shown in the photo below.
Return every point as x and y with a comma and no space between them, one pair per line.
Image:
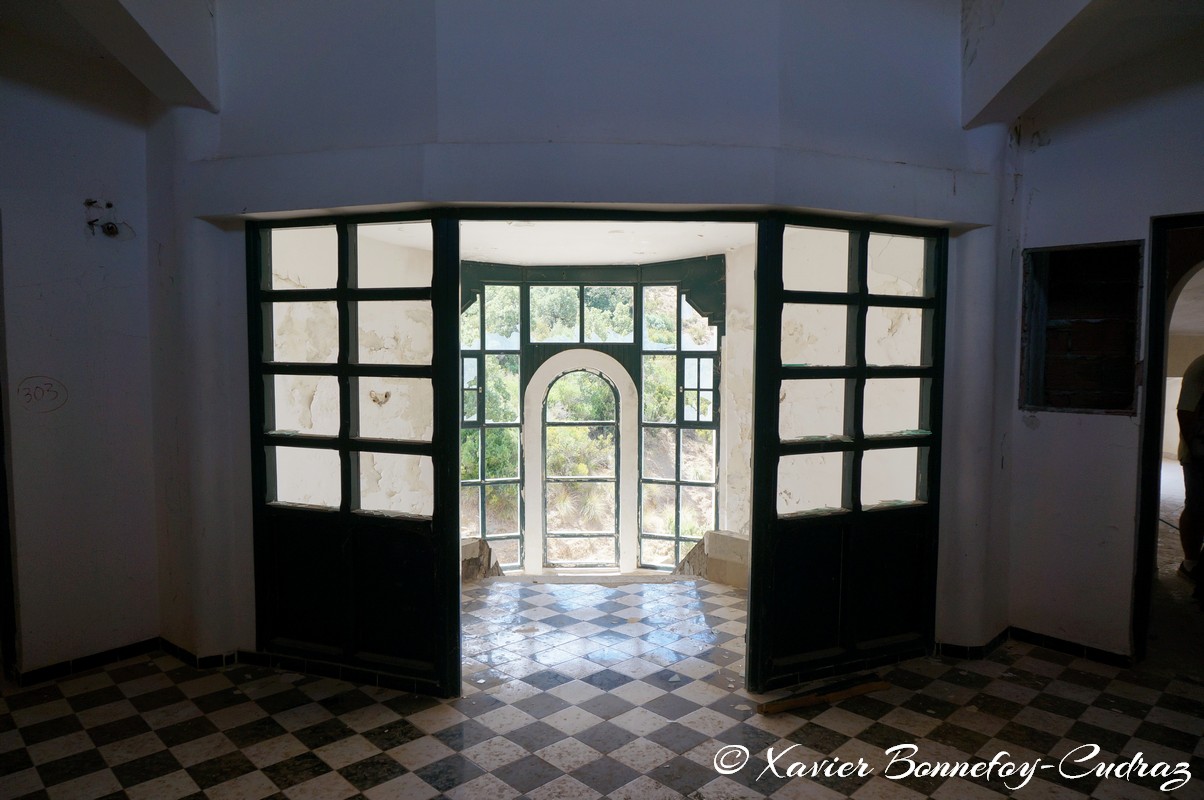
347,342
856,332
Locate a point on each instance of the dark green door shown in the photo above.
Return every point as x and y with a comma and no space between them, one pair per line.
354,383
845,465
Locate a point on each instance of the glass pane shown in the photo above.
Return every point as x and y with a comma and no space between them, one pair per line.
689,373
470,511
697,511
706,373
698,455
470,397
580,451
501,453
810,482
305,258
582,551
660,389
699,406
397,483
811,408
580,397
501,318
306,476
307,404
394,255
580,507
501,388
814,335
889,476
696,332
657,552
660,317
892,405
396,408
608,314
555,314
470,327
815,260
660,453
896,265
505,551
395,332
470,454
658,509
894,336
501,510
303,332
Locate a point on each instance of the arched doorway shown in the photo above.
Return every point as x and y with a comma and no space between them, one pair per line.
560,530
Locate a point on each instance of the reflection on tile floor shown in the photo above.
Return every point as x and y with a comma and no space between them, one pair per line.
584,691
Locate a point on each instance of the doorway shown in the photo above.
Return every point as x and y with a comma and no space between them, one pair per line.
1168,629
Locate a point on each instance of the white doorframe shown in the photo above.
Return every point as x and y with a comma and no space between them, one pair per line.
532,438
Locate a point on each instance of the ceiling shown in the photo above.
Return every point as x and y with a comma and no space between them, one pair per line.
579,243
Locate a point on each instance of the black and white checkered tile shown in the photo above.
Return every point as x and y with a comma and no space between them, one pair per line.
585,691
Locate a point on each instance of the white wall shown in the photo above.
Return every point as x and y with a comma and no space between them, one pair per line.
75,310
1094,169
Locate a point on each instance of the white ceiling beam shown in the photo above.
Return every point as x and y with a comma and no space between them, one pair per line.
170,47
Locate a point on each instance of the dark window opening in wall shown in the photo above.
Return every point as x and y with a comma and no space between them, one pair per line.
1080,335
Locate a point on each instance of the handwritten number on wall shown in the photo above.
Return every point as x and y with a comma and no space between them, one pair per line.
41,394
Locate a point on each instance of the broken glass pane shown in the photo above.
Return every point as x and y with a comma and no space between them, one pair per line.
660,389
660,317
505,551
892,405
696,332
810,482
813,407
894,336
396,408
555,314
697,455
307,332
470,511
305,404
501,388
501,453
698,406
658,508
658,552
398,483
574,507
889,476
580,397
697,511
306,476
897,265
660,453
814,335
501,509
580,451
470,454
815,260
394,332
594,550
470,327
501,318
609,315
393,255
305,258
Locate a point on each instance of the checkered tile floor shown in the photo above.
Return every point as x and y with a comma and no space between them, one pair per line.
584,691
